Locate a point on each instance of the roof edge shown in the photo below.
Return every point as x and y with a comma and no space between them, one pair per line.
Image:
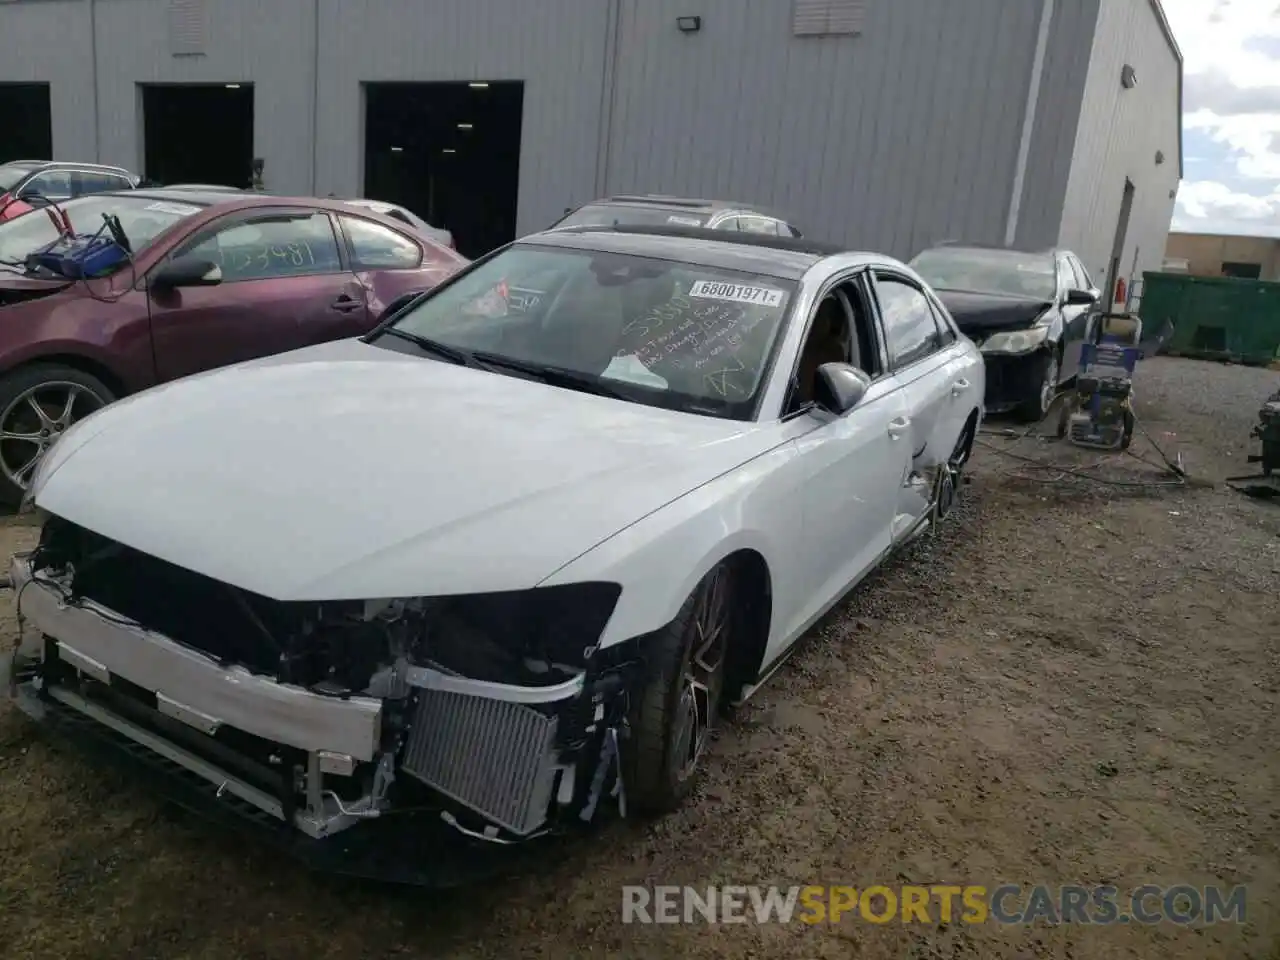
1157,7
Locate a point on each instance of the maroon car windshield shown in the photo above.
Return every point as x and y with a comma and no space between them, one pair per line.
142,218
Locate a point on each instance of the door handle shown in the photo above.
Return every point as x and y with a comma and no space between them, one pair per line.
346,304
959,387
898,427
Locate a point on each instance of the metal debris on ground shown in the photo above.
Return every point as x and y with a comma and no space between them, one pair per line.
1266,484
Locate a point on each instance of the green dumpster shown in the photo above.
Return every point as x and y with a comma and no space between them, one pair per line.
1216,318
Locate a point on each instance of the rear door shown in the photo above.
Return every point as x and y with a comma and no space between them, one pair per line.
390,263
286,284
926,368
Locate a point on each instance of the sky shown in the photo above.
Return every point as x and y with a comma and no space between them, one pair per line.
1231,115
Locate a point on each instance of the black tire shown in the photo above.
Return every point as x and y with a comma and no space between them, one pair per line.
656,776
20,383
1036,408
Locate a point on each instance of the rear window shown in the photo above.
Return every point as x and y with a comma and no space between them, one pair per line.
625,214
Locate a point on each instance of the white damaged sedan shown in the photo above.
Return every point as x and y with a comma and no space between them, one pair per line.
504,561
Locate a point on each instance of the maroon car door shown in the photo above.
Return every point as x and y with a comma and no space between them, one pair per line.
390,263
286,283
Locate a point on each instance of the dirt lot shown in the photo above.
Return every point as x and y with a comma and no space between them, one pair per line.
1076,684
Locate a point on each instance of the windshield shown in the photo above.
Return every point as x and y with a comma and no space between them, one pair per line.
626,214
142,218
651,331
10,174
988,271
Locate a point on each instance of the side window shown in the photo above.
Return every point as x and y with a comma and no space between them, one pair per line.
946,334
1066,277
274,245
730,223
909,327
54,184
375,247
758,225
87,182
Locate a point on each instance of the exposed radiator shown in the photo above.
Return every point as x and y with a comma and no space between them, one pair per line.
497,758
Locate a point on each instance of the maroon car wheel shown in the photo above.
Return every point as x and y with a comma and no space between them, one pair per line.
37,405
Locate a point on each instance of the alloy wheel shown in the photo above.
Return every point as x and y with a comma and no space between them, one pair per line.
35,419
703,676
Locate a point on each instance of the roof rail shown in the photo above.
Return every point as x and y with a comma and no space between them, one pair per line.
793,244
662,199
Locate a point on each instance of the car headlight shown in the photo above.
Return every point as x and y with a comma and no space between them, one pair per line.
1015,341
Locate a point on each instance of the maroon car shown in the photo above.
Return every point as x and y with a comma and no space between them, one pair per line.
214,278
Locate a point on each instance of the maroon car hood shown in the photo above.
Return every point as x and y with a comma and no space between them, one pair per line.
16,288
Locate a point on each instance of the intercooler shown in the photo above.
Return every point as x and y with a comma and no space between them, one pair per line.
493,756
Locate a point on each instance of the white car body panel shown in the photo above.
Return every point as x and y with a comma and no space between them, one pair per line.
514,480
347,471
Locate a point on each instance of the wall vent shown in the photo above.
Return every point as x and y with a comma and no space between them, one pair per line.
827,18
186,27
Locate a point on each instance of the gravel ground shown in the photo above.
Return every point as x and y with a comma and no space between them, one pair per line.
1076,683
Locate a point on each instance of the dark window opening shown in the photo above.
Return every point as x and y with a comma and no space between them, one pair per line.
450,152
28,122
1245,271
199,133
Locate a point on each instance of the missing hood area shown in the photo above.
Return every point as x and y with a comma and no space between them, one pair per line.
496,714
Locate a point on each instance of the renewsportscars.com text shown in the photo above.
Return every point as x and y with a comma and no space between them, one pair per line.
1006,904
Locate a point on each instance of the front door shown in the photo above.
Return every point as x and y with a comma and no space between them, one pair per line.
285,285
848,470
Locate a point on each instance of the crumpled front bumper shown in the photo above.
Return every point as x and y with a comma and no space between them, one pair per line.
200,697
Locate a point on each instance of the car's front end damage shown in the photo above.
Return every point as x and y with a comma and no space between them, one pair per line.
495,718
1015,337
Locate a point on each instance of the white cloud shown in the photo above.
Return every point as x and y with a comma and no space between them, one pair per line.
1209,200
1231,52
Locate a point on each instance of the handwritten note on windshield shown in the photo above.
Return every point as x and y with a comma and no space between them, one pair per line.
698,338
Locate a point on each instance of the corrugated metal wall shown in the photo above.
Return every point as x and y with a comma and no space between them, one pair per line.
1119,133
1066,64
901,136
265,42
28,32
557,47
892,140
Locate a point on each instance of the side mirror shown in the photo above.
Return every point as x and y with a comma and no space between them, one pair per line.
187,272
1082,298
840,387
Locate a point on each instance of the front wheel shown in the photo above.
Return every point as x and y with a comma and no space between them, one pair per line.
37,405
673,714
1036,407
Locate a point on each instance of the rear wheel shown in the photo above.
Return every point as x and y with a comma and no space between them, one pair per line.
951,474
673,715
37,405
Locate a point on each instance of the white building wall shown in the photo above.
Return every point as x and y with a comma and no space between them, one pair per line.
1119,133
900,137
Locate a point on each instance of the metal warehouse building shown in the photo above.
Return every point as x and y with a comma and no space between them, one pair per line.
887,124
